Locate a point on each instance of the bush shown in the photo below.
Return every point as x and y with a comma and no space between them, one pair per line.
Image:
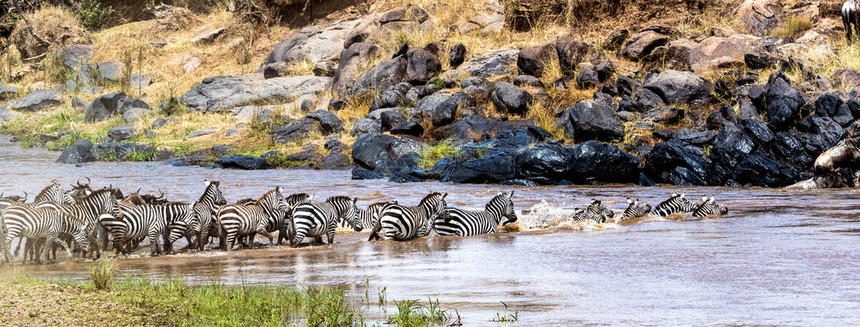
102,274
792,27
92,15
53,25
435,153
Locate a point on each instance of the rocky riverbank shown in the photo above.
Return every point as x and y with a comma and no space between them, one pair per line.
410,94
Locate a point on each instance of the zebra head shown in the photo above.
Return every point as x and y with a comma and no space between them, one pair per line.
347,210
635,209
52,193
213,193
503,204
434,204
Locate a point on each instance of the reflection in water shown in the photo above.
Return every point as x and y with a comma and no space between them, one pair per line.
778,258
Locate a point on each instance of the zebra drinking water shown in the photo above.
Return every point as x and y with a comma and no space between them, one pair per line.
36,223
677,203
243,220
320,218
500,210
710,207
595,211
403,223
205,209
635,209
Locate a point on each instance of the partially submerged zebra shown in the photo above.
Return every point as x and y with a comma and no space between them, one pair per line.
90,208
316,219
138,222
595,211
284,226
403,223
635,209
677,203
710,207
459,222
368,218
242,220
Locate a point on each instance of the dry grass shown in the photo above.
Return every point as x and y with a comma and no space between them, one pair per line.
545,117
792,27
52,24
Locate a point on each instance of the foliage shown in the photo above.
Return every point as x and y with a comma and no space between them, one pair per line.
792,27
505,316
92,15
412,313
433,154
102,274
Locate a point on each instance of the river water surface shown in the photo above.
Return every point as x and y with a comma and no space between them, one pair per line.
777,258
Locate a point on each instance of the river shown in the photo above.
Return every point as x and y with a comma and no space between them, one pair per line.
777,258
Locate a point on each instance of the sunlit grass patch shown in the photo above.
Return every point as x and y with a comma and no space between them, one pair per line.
433,154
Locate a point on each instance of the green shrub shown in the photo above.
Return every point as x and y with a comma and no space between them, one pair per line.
92,15
433,154
411,313
102,274
792,27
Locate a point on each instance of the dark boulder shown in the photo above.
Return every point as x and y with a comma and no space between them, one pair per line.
731,146
783,102
369,149
587,77
243,162
758,131
616,39
724,114
527,80
698,138
493,168
412,128
589,120
359,173
416,93
391,119
599,163
366,126
570,52
605,69
511,98
531,60
679,87
121,133
456,55
819,134
37,100
422,65
477,128
827,105
381,76
394,96
761,170
545,163
117,151
80,151
328,121
641,44
672,163
103,107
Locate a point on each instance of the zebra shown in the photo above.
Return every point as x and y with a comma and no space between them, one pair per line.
677,203
52,193
404,223
321,218
458,222
36,223
710,207
243,220
284,226
148,221
205,209
90,208
635,209
851,15
595,211
368,218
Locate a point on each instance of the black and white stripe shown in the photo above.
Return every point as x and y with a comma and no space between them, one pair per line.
205,209
595,211
851,16
147,221
244,220
368,218
710,207
42,223
284,226
459,222
635,209
320,218
89,209
52,193
404,223
677,203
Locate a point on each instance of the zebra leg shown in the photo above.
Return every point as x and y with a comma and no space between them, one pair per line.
330,235
374,234
262,230
154,250
202,239
18,248
61,243
104,237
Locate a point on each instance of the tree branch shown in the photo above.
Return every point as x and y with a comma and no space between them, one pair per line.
27,21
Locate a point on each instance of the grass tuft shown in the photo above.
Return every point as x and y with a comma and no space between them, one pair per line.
433,154
102,274
412,313
792,27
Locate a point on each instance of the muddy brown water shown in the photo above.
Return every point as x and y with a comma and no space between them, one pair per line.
777,258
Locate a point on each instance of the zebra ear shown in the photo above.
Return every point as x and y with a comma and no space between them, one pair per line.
512,194
704,198
444,195
206,182
629,200
354,200
712,199
684,194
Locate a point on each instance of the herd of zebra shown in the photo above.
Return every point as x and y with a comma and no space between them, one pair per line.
90,221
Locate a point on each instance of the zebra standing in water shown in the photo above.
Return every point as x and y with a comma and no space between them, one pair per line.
500,210
595,211
37,223
677,203
243,220
404,223
710,207
318,219
284,226
368,218
205,209
147,221
635,209
90,208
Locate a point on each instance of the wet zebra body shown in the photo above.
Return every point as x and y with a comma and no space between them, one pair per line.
89,209
205,209
369,218
244,220
284,225
677,203
37,223
458,222
318,219
710,207
147,221
635,209
404,223
595,211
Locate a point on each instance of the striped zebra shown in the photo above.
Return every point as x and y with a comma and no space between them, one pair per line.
43,223
368,218
635,209
52,193
90,208
677,203
316,219
205,209
242,220
710,207
595,211
284,226
404,223
139,222
458,222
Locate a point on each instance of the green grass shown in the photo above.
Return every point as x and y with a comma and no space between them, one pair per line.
281,161
432,155
141,156
792,27
505,316
175,303
412,313
102,274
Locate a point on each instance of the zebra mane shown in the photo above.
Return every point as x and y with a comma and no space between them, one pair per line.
246,200
377,204
432,194
265,196
45,190
297,196
98,193
338,198
210,185
178,203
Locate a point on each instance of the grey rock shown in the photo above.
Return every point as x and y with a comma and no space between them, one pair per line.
7,92
527,80
679,87
201,132
38,100
456,55
511,99
76,56
325,68
497,63
111,70
134,114
80,151
122,133
221,93
421,65
589,120
139,81
313,43
206,35
158,123
243,162
641,44
351,61
103,107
